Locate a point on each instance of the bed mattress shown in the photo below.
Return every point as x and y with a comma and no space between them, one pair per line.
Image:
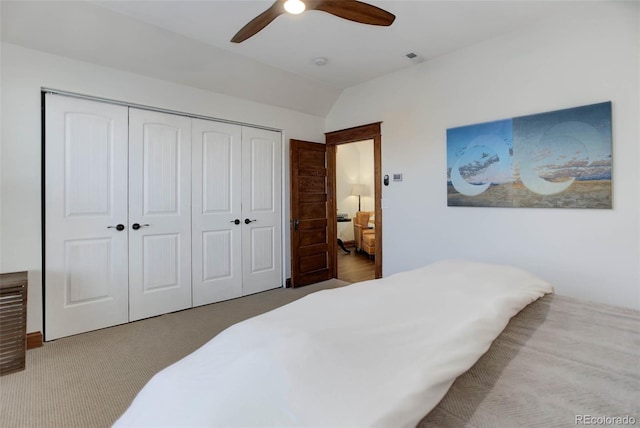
560,362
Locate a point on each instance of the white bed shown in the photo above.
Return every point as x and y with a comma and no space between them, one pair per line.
379,353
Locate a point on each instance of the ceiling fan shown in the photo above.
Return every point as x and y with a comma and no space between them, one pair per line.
352,10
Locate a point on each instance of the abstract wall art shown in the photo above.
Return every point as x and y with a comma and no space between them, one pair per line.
558,159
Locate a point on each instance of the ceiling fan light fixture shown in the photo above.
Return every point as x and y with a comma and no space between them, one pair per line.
294,7
352,10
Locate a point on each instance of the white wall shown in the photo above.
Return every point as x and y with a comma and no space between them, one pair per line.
24,72
354,165
347,173
365,149
588,57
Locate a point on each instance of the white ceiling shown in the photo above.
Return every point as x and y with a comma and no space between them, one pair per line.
187,41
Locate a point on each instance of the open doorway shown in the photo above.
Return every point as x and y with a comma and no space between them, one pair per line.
355,205
341,203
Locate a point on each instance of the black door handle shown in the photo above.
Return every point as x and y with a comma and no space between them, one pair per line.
119,227
236,221
296,224
247,221
136,226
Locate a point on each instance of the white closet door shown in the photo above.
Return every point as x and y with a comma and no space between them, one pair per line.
86,263
262,209
160,203
216,205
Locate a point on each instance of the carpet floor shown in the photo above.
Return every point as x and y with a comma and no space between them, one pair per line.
89,380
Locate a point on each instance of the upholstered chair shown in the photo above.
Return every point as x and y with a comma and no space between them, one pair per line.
369,242
363,232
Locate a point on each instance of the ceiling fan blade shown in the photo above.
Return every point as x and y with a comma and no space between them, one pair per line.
353,10
259,22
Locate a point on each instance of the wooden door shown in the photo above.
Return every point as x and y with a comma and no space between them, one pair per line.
310,249
159,213
261,210
85,237
216,211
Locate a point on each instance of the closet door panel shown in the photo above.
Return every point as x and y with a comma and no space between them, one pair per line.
216,205
159,213
86,263
262,209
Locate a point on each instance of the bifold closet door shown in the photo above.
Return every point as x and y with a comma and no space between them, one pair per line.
126,238
261,210
86,264
216,211
237,197
159,213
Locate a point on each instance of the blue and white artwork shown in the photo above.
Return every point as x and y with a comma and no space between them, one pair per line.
559,159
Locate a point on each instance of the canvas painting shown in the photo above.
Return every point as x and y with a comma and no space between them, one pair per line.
558,159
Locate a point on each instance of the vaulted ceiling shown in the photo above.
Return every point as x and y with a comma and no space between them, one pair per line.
188,42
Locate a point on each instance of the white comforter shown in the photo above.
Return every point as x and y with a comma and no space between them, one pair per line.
379,353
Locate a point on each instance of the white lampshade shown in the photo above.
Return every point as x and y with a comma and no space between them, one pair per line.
294,6
360,189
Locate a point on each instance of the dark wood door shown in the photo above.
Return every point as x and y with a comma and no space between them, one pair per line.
310,250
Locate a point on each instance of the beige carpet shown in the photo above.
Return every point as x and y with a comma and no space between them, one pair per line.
89,380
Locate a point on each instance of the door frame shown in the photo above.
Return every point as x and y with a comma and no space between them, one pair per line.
333,139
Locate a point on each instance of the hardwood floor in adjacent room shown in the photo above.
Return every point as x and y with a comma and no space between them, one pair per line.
355,267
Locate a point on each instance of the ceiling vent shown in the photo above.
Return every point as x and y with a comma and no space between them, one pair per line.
414,57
